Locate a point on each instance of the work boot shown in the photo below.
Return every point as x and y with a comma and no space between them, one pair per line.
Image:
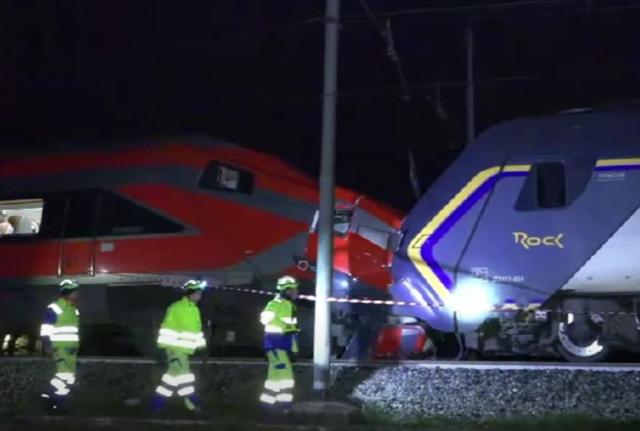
157,404
267,413
193,404
54,405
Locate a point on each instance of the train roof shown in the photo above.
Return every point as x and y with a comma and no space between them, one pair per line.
147,151
602,132
100,145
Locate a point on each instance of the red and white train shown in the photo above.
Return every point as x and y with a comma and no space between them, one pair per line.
126,220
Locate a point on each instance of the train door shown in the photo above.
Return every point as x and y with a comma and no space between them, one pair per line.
77,245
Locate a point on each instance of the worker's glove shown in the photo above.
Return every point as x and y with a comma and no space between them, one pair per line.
293,353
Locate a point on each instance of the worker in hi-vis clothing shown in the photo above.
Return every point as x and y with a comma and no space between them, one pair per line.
280,342
180,336
60,339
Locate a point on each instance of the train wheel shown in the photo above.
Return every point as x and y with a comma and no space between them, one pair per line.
579,339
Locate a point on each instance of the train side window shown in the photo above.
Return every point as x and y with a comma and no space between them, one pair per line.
80,218
20,217
52,216
220,176
119,216
550,185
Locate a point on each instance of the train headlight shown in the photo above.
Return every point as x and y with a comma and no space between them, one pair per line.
472,300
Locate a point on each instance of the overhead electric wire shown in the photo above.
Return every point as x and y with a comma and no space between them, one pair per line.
385,34
472,8
586,5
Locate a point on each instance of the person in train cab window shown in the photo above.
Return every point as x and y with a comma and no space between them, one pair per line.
280,343
60,338
5,226
180,336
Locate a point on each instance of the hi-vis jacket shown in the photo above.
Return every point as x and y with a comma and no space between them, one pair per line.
60,324
181,329
280,325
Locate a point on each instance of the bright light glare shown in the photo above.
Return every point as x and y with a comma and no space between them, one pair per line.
471,300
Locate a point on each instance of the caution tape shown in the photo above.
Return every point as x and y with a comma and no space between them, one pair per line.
179,280
313,298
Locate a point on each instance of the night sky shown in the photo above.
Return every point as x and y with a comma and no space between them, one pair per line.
250,72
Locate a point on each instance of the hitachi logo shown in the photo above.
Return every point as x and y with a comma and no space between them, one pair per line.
528,241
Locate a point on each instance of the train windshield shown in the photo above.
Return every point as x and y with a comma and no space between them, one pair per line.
341,221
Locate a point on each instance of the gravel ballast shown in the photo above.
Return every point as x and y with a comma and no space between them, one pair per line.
408,394
397,393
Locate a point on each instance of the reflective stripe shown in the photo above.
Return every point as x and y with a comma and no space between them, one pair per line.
185,378
290,320
65,337
186,391
46,330
182,379
69,378
188,340
60,333
61,387
284,398
186,335
270,329
287,384
166,378
272,385
196,336
62,392
7,339
65,329
279,385
267,316
164,392
56,308
269,399
174,342
170,332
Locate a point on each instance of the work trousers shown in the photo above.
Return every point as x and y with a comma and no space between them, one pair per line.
65,376
178,379
278,388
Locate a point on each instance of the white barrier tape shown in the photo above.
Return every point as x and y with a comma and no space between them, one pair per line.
508,307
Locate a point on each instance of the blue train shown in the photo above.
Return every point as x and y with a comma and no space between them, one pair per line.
529,243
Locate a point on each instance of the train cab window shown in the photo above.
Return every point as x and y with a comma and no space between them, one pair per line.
555,184
119,216
20,217
550,185
376,236
220,176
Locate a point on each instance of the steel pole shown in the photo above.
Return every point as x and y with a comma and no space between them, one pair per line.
324,274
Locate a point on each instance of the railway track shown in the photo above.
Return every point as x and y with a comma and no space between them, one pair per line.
442,364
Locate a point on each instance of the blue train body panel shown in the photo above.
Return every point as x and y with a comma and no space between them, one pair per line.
519,216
